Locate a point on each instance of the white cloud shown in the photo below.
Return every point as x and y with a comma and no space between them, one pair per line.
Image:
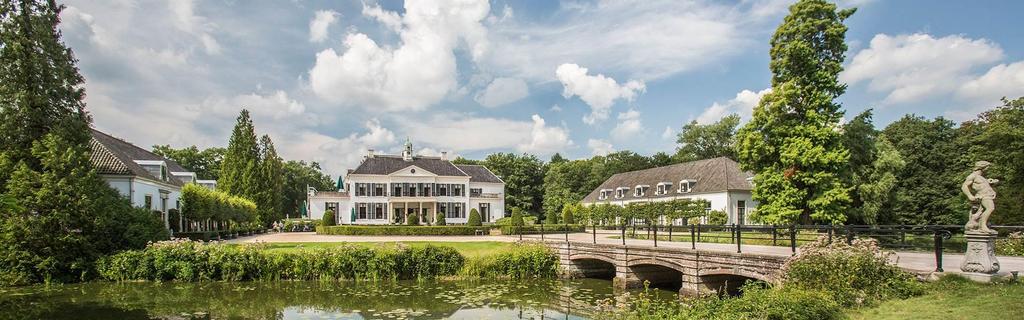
322,20
600,147
389,19
598,91
743,104
185,19
334,154
416,74
555,108
668,134
545,140
908,68
629,125
464,133
1004,80
644,40
502,91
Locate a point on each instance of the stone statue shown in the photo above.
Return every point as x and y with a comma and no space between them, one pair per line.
979,262
983,194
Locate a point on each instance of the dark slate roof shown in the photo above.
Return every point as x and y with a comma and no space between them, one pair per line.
112,155
388,164
711,175
478,173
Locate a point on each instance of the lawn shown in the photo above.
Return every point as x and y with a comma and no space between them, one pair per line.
954,298
468,249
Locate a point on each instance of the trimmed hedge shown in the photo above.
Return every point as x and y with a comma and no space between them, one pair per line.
536,229
397,230
522,261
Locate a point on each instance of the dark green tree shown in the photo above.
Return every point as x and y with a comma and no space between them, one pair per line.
661,159
524,178
603,167
328,219
517,217
928,187
60,216
791,143
205,163
565,183
271,182
705,141
875,185
297,176
997,136
239,169
439,218
557,158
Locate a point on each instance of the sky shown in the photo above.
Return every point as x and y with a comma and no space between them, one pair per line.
329,80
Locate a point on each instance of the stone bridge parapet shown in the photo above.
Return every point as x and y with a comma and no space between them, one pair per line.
693,271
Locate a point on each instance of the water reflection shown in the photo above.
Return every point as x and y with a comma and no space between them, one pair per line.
531,299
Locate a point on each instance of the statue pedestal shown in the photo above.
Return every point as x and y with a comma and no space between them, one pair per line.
980,262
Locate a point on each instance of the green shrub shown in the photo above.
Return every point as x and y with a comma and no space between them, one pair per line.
300,223
536,229
854,275
390,230
474,218
517,217
756,302
328,218
439,219
718,217
1013,245
412,219
568,214
184,260
522,261
551,218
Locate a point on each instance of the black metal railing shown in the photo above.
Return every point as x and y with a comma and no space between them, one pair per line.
935,239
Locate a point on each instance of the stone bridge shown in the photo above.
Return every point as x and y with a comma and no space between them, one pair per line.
693,272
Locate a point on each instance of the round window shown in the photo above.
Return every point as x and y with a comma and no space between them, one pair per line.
412,170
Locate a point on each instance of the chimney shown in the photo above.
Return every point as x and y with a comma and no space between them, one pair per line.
369,153
444,155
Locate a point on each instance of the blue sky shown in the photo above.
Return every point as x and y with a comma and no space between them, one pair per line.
330,79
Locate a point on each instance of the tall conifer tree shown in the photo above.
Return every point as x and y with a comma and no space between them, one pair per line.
271,180
792,142
239,169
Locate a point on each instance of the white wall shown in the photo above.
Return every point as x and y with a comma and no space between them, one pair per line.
136,189
725,201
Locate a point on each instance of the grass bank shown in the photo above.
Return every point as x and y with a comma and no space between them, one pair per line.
953,298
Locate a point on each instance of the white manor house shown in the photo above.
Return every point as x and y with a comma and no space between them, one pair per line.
385,189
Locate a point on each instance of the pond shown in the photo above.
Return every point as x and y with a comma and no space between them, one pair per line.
441,299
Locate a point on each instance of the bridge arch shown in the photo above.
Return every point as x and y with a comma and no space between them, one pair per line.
729,281
593,266
657,273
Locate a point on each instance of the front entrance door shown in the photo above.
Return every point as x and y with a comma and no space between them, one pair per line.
485,212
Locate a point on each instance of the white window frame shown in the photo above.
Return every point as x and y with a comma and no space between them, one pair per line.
640,190
685,186
620,192
663,188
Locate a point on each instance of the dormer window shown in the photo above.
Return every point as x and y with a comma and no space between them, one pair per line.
640,190
604,194
663,188
157,168
685,186
620,192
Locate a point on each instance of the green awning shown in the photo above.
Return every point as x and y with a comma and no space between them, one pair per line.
353,215
302,211
341,184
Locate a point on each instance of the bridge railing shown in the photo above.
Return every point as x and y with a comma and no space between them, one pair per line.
935,239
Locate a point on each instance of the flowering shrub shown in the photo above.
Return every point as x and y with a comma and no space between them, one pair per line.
184,260
1013,245
854,275
757,302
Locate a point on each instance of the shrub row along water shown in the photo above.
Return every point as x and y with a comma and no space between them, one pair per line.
818,283
184,260
401,230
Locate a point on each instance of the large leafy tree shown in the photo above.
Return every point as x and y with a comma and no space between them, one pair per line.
998,137
875,185
523,175
205,163
603,167
59,216
792,142
705,141
297,176
928,187
565,183
239,171
271,182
